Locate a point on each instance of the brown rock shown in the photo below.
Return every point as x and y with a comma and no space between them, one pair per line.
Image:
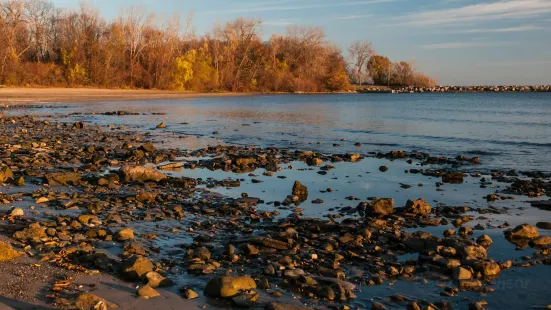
381,207
419,206
228,286
87,301
141,174
524,231
300,190
135,268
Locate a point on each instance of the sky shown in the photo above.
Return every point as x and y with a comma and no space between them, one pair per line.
459,42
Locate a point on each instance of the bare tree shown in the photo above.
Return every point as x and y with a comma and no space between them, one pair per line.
360,52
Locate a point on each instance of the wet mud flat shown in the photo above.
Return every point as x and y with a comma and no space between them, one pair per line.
123,221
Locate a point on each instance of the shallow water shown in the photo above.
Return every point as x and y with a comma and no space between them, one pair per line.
510,130
507,130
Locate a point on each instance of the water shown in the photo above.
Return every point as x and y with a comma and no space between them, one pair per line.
509,130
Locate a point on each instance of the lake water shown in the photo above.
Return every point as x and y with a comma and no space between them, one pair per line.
509,130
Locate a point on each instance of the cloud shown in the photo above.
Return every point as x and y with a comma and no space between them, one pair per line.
353,17
516,63
456,45
511,9
279,23
274,8
501,30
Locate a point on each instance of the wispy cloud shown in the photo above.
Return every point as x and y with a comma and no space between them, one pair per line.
273,8
499,10
353,17
456,45
279,22
516,63
501,30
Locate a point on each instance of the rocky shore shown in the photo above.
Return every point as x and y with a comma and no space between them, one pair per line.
460,89
95,200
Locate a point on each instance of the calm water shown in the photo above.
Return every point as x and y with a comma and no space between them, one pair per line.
509,130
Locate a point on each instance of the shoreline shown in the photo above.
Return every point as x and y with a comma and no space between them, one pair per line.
124,214
20,95
59,95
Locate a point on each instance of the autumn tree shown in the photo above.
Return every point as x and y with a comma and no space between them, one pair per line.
379,68
360,52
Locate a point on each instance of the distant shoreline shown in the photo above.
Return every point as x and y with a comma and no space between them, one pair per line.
58,95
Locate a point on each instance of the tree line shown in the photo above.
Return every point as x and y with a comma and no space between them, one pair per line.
48,46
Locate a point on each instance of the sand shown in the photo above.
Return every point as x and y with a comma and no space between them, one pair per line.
31,95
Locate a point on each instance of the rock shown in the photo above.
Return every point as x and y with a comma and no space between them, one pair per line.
490,269
62,178
34,232
78,125
484,241
244,161
282,306
544,225
314,161
524,231
460,273
189,293
419,206
228,286
41,200
16,212
124,234
7,252
88,301
293,273
245,300
20,181
470,284
87,218
161,126
473,252
203,253
147,147
541,241
453,178
381,207
383,168
5,174
154,279
147,292
354,157
135,268
141,174
300,190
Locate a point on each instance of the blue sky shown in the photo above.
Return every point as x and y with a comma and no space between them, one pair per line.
459,42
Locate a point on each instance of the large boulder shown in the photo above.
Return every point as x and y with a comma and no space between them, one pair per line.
419,206
62,178
524,231
228,286
300,190
136,268
381,207
141,174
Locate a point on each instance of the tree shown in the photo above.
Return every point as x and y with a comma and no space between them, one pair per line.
360,52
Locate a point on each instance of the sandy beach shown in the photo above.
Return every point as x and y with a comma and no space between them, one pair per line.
29,95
